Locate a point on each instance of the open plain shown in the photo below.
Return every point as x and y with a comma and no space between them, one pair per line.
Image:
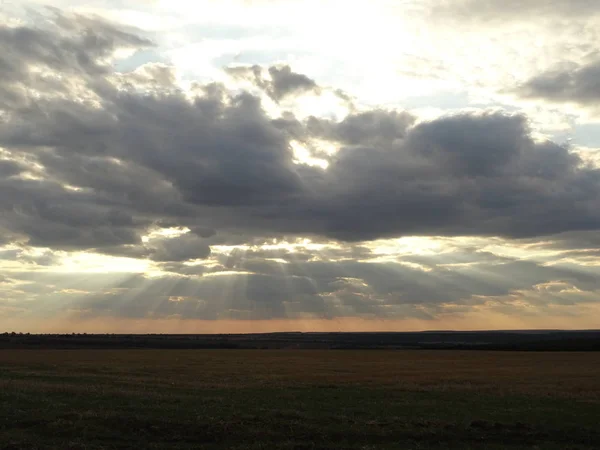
298,399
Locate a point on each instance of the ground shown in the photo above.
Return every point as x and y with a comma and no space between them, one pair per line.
298,399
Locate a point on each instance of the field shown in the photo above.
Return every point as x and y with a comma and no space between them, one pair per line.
298,399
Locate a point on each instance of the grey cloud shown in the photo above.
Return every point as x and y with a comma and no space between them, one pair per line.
180,248
582,240
169,250
10,255
125,250
475,174
53,216
346,98
582,247
491,146
203,232
283,81
376,127
69,45
185,269
219,162
48,258
9,168
571,84
286,82
212,153
24,255
148,76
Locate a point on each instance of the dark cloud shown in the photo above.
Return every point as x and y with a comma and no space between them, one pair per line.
181,248
51,215
583,240
286,82
168,250
577,250
282,81
203,232
140,155
571,84
125,250
368,128
185,269
466,174
64,46
45,258
10,168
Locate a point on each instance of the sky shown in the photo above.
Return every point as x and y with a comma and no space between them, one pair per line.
171,166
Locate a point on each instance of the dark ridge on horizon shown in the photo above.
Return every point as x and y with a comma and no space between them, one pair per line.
531,340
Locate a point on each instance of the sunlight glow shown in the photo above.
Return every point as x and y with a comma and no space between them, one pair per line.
323,104
94,262
227,273
301,243
165,232
302,156
407,246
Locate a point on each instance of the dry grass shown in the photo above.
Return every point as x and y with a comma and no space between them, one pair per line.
302,399
556,374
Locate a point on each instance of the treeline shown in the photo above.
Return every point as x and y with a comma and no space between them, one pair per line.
487,340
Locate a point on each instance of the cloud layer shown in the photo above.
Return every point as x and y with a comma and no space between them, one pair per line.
105,168
97,160
572,83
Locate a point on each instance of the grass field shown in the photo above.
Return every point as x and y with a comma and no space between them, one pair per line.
298,399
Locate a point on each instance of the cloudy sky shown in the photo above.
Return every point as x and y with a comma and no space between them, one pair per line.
263,165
